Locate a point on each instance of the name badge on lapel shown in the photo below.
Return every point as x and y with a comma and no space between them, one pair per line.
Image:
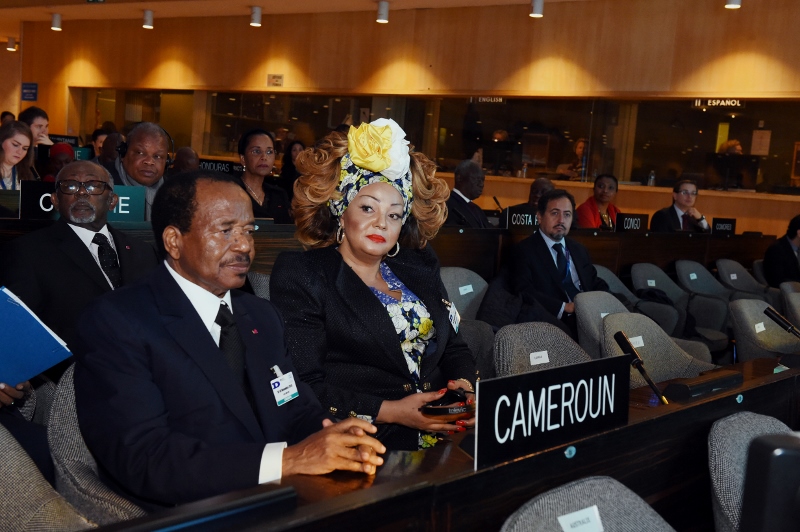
454,317
283,387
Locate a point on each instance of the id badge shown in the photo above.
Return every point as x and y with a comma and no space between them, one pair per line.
284,388
454,317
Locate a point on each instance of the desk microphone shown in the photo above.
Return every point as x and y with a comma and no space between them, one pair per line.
497,202
627,347
782,322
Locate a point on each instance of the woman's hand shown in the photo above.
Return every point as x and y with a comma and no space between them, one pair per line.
459,385
406,412
9,394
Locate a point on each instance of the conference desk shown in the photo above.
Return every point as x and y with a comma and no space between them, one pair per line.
661,454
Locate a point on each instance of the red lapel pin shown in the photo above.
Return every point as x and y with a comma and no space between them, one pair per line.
255,331
127,247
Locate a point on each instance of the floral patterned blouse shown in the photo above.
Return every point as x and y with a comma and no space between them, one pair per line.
414,328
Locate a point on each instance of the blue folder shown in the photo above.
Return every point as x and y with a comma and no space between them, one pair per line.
27,346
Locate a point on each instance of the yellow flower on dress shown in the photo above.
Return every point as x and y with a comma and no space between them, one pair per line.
425,326
369,146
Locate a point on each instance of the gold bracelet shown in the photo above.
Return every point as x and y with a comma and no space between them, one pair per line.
471,389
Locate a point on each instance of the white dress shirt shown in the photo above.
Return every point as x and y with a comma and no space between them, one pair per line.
87,235
572,270
207,306
462,195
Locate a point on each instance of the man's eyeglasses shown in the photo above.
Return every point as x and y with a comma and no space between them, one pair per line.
688,192
258,153
95,188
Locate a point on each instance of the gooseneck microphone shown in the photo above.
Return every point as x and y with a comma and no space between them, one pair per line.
627,347
782,322
497,203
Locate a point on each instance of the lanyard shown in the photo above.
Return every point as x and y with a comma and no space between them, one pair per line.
13,179
568,276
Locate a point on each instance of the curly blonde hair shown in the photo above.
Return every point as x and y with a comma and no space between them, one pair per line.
320,168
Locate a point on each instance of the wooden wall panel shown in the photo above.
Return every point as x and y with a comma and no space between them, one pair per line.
616,48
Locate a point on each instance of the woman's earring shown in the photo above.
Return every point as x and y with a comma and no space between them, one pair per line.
396,250
340,235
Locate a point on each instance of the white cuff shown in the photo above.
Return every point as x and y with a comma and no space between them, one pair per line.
561,312
271,468
704,224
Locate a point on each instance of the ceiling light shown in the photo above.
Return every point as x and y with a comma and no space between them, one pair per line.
255,16
733,4
147,20
12,45
55,22
537,8
383,13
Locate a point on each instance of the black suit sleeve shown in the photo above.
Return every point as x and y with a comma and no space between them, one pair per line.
660,222
587,273
780,264
123,415
299,292
21,277
525,280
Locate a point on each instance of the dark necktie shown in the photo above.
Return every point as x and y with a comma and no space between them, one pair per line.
685,224
477,213
230,342
566,278
108,259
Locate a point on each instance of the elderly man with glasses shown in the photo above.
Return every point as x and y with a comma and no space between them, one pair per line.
681,216
57,271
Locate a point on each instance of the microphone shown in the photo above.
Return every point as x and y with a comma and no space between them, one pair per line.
782,322
497,202
627,347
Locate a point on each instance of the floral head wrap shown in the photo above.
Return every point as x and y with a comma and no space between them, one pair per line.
377,152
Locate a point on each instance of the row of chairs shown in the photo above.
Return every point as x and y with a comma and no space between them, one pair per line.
619,509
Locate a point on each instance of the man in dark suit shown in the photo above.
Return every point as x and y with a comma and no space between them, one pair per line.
461,210
524,214
682,214
550,268
59,270
183,386
781,259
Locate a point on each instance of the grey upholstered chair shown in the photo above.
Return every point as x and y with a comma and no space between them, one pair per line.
728,443
479,336
756,335
534,346
734,276
696,279
666,316
620,509
76,470
788,288
28,502
465,289
663,358
592,307
710,313
260,284
791,304
758,271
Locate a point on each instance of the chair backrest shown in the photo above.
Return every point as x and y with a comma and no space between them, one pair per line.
758,272
76,470
479,336
618,507
792,307
260,284
663,359
696,279
534,346
465,289
735,276
615,286
645,275
756,335
790,287
28,501
590,309
728,443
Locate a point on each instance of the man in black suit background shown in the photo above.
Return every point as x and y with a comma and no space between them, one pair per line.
461,210
59,270
550,268
781,259
179,379
682,214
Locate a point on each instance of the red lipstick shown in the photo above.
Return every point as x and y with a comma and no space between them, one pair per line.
378,239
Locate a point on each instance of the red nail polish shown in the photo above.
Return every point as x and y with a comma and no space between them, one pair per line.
460,422
451,382
443,390
450,432
470,401
461,404
461,429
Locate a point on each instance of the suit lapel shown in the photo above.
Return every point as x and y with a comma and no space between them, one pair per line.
187,329
72,246
677,223
124,253
547,258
